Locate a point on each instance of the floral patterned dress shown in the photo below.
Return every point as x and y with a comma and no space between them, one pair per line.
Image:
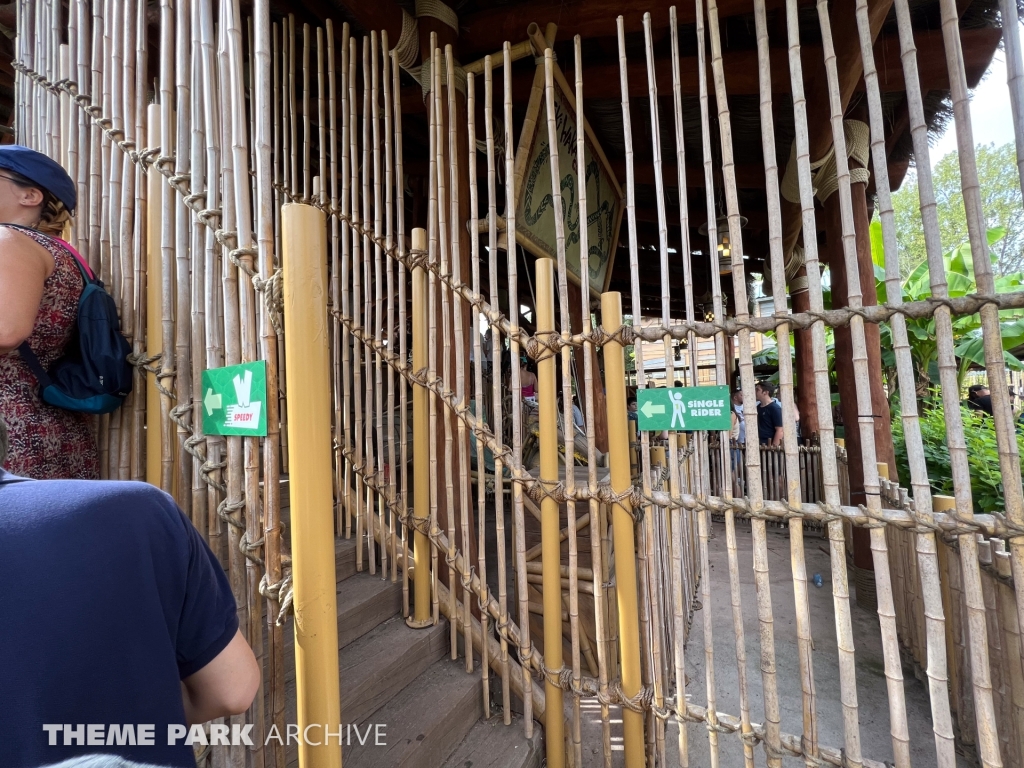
47,442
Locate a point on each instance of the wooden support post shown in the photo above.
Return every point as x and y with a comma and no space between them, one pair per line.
303,252
421,442
551,557
805,399
622,529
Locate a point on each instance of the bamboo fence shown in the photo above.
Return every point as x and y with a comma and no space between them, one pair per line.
181,173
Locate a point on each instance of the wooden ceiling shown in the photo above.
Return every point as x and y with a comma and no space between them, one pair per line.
484,26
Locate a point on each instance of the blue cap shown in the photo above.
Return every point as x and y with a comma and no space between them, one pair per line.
41,170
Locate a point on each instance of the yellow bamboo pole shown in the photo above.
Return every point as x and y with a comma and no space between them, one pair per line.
303,251
420,442
945,504
551,549
622,529
154,305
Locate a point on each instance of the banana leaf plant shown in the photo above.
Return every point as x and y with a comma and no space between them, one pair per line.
967,338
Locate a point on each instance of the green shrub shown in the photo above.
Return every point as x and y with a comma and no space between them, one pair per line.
982,456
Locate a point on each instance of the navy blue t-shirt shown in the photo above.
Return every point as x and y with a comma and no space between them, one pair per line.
111,597
769,417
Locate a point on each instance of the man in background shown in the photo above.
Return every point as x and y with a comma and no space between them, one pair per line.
979,398
769,414
116,613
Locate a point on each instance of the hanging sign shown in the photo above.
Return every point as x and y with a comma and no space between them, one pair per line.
235,400
693,409
535,214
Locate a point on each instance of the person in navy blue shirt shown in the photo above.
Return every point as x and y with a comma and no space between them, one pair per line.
115,613
769,414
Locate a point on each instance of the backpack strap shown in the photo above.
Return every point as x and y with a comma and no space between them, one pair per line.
26,353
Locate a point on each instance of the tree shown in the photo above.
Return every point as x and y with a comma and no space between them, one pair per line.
1000,199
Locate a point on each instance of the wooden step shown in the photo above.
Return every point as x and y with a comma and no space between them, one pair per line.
492,744
425,722
364,603
374,669
344,558
376,666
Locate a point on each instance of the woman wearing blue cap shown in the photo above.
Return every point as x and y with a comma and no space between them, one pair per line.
40,285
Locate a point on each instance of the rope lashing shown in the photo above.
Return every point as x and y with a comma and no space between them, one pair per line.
407,49
435,9
426,77
858,138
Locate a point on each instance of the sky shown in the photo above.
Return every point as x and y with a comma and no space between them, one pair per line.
990,113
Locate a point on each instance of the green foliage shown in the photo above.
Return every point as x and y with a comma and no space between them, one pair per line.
1000,200
982,456
967,338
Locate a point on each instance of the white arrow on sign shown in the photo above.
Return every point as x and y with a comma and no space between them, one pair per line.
650,409
211,401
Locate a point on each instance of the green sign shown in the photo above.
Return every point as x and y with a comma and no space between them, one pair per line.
684,408
235,400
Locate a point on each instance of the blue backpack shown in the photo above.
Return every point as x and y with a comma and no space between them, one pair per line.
94,375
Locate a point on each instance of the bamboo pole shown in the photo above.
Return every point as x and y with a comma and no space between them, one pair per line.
432,236
935,608
346,306
795,486
403,337
446,335
213,269
886,612
378,279
519,534
197,297
594,514
269,352
463,495
154,312
622,525
131,432
167,231
234,502
253,534
304,241
840,587
356,312
478,390
182,262
655,588
646,628
766,626
554,720
389,224
497,392
370,392
139,243
84,144
567,423
421,442
337,314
